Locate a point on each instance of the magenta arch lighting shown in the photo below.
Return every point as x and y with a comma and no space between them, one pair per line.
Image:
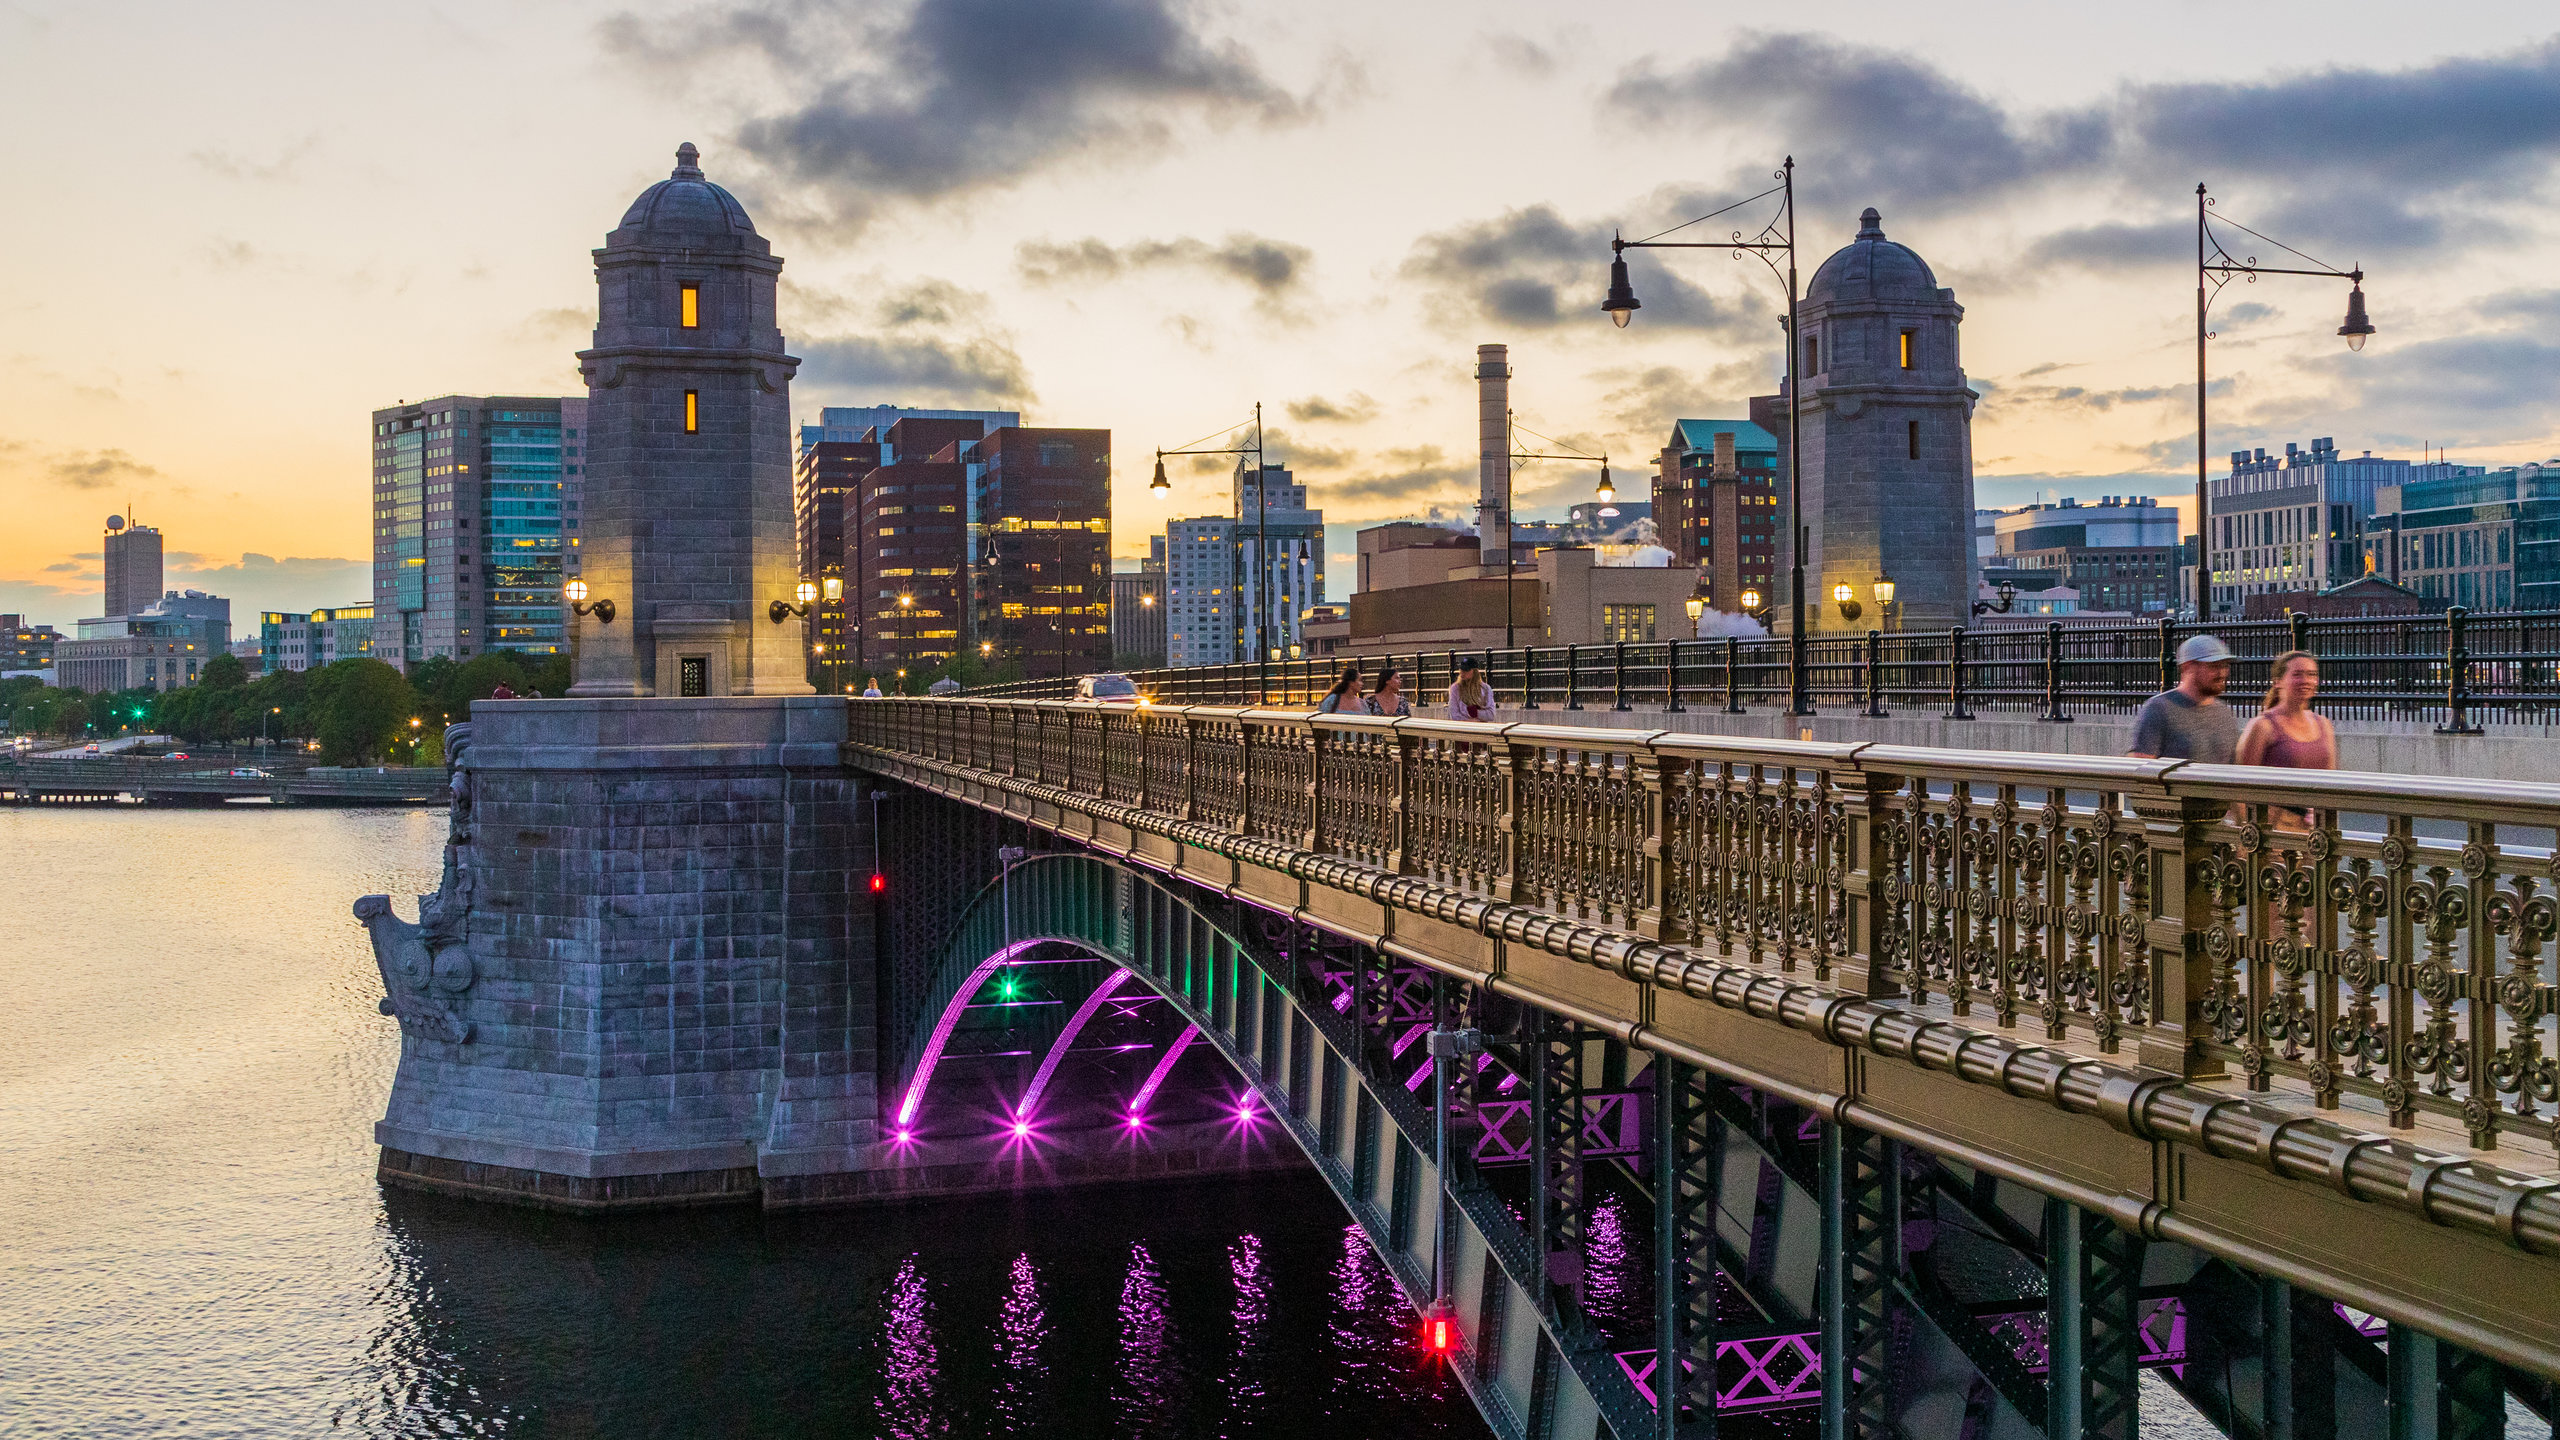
1058,1047
942,1027
1164,1067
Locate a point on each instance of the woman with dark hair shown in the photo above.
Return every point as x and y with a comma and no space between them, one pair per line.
1388,698
2287,732
1344,697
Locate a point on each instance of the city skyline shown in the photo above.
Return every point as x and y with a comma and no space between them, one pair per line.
1179,212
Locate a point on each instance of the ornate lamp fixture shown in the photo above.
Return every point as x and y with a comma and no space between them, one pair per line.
576,590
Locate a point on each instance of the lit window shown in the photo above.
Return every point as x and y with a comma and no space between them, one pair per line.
1910,343
693,412
693,315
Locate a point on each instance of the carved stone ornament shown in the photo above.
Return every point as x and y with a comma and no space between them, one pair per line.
426,967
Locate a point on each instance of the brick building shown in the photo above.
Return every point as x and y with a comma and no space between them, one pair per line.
1716,506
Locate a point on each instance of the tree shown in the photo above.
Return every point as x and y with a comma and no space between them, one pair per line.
361,705
222,672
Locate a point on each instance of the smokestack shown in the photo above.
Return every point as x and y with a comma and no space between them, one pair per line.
1493,455
1725,468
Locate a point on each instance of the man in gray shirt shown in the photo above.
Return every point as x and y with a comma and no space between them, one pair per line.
2191,722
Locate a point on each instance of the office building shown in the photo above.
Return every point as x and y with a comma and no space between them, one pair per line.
1217,581
24,646
1039,548
907,546
2119,555
850,423
1716,507
1137,614
2295,523
132,564
288,641
163,646
475,524
2485,540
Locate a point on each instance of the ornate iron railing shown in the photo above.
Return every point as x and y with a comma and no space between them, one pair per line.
2452,670
2382,943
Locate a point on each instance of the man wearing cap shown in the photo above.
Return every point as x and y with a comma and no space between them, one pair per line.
2191,722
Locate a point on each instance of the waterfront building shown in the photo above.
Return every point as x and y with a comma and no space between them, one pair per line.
1212,565
2118,555
289,641
1717,507
688,519
163,646
1137,613
2484,540
133,565
2294,523
24,646
1039,548
476,513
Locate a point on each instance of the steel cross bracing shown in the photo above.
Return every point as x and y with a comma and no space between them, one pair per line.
1787,916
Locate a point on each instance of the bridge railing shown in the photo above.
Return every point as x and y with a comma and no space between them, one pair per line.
2376,941
2453,670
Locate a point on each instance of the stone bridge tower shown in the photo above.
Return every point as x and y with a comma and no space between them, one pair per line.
1888,440
688,526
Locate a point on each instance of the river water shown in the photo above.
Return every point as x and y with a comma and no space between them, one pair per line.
192,1242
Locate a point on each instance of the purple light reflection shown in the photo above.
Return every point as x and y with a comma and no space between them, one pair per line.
1022,1378
908,1363
1151,1386
1612,1273
1251,1318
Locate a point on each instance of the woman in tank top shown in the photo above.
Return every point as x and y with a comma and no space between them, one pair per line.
2288,733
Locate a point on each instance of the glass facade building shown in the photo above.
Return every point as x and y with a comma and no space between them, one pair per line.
2484,541
475,513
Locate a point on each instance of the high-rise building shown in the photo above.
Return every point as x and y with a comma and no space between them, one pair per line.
475,524
162,646
1716,506
2295,522
907,541
133,566
1137,613
847,444
1039,548
1218,579
2484,540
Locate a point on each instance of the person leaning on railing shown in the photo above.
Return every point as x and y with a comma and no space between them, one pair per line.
2288,733
1469,697
1388,698
1344,697
2191,722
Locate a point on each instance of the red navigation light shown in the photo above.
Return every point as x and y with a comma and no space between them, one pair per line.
879,882
1437,1336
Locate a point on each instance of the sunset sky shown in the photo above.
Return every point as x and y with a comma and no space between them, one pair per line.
235,229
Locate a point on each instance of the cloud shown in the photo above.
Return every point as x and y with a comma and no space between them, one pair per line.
232,166
258,582
1523,56
1353,409
1644,402
1999,401
72,567
98,469
1287,449
2480,390
954,95
2430,152
1535,269
1273,269
1410,482
930,340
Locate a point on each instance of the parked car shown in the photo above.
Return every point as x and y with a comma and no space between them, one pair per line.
1108,690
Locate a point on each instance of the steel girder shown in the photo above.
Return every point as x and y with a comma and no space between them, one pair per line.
1687,1173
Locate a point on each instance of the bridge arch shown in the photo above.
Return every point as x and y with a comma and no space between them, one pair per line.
1302,1061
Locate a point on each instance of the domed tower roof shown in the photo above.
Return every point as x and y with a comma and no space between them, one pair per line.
687,211
1872,268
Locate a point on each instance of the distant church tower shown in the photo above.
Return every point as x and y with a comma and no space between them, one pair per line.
688,525
1888,441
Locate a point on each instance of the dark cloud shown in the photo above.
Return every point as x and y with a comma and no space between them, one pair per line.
1271,267
1353,409
98,469
1523,56
1998,401
1534,269
951,95
2481,389
2347,158
1642,404
1287,449
1408,482
930,340
63,566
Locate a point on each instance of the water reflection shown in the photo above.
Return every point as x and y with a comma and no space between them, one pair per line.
907,1392
1250,1315
1614,1288
1150,1370
1021,1377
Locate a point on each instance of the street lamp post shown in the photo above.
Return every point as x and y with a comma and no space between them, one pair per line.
2216,268
1261,542
1622,305
1607,491
906,608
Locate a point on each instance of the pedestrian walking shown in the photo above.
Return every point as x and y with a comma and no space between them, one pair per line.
2191,722
2288,733
1388,698
1344,697
871,688
1469,697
